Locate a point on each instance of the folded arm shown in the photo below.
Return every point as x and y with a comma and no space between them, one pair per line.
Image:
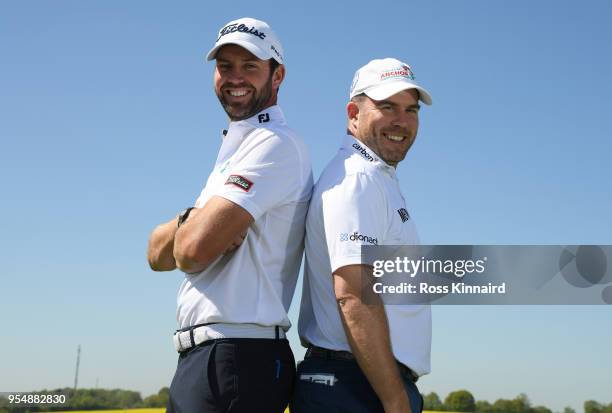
161,245
211,231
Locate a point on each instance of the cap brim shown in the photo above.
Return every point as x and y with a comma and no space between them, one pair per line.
381,92
257,51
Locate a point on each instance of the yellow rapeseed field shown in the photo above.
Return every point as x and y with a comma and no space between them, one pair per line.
161,410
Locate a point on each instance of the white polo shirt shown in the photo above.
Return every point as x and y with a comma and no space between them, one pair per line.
264,167
357,201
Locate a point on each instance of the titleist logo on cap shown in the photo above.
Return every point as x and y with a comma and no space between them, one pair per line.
235,27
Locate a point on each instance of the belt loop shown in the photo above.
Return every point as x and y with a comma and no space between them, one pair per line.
276,332
191,337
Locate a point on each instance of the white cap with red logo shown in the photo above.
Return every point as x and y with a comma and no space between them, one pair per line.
254,35
382,78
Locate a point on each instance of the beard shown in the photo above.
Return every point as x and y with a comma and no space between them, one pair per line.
240,111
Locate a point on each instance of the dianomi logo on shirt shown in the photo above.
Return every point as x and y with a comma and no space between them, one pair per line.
356,236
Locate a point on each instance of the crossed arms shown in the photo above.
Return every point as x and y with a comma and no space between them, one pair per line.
214,230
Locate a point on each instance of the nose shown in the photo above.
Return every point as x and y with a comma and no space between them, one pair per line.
401,120
405,120
234,75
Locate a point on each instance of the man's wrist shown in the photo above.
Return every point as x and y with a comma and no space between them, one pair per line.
182,216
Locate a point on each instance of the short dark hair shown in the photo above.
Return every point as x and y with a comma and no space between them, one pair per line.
273,66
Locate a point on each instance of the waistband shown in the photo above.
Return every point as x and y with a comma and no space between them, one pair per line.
189,337
320,352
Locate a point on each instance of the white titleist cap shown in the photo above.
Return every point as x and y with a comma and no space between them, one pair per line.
382,78
254,35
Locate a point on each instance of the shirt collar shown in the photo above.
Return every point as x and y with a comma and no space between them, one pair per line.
367,155
270,116
237,130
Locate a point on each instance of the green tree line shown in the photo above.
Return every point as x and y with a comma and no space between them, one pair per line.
463,401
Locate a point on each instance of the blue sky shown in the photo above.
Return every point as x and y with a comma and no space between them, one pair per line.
108,126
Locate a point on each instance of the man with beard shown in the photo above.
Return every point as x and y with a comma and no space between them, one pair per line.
240,246
362,357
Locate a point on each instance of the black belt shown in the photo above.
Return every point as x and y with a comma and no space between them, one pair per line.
323,353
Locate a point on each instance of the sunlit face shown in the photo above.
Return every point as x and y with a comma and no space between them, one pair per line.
388,127
244,84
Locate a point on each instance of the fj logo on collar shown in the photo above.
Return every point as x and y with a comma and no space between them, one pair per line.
264,117
240,181
404,215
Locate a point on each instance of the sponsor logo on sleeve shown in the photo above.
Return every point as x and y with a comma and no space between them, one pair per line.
356,236
404,215
240,181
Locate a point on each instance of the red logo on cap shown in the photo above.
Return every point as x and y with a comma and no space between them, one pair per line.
403,71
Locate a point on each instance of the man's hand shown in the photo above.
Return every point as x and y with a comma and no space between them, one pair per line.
367,332
161,245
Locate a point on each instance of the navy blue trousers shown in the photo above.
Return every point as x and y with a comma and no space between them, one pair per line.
233,375
339,386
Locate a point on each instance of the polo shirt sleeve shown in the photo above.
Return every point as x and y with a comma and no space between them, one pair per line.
354,214
269,174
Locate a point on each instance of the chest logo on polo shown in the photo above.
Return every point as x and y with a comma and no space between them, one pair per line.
404,215
356,236
240,181
224,166
264,117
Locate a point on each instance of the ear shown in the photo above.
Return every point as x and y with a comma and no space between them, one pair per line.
352,111
278,76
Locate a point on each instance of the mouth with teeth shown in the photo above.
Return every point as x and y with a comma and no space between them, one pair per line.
394,138
237,93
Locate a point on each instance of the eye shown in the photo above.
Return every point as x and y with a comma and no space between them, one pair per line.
385,107
223,67
251,66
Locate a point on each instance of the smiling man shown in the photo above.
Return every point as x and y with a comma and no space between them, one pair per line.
362,358
241,245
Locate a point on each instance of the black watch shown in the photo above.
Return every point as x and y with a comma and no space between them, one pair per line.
182,217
